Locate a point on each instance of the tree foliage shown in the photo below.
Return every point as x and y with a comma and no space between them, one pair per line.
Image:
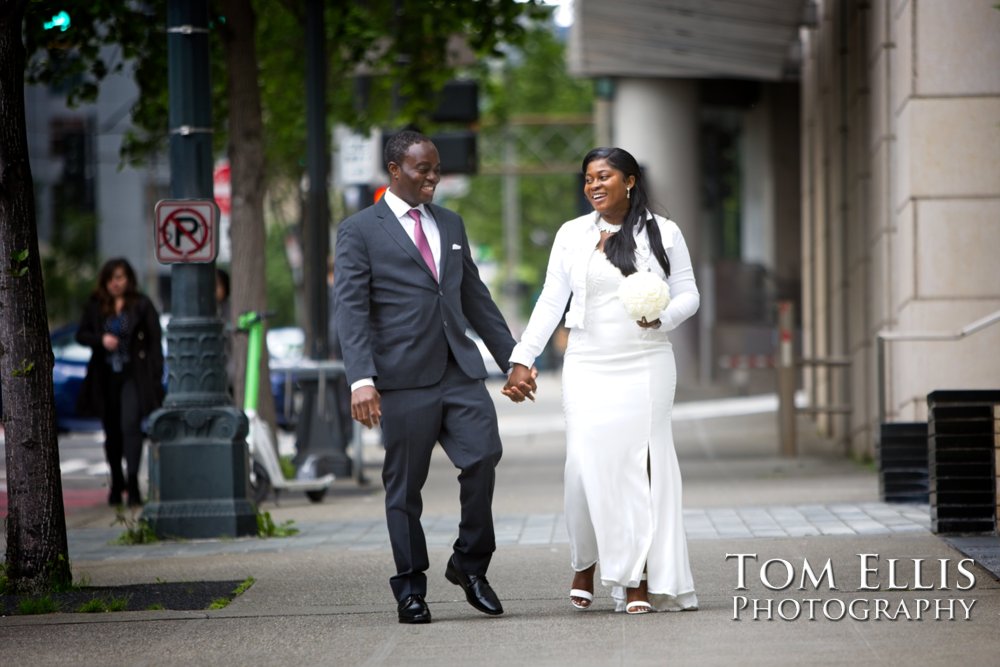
533,80
403,43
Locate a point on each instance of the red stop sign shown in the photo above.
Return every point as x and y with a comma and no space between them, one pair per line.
221,187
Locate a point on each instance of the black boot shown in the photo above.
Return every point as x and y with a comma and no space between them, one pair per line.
117,486
134,496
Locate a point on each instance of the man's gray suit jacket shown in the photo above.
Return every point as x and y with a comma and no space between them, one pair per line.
396,322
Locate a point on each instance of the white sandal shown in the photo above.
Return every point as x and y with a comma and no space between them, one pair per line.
638,607
583,595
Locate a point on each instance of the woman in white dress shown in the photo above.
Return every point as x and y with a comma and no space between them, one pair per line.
622,480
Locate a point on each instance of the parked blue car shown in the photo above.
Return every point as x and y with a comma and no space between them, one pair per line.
70,368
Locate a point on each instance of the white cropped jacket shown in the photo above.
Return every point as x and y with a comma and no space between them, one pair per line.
567,276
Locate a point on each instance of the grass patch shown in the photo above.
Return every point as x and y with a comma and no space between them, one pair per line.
244,586
866,461
219,603
100,605
156,606
267,528
93,606
118,604
137,531
42,605
188,595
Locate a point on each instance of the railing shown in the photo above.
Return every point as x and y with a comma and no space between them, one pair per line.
787,370
885,337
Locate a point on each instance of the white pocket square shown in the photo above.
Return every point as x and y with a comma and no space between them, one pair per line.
455,246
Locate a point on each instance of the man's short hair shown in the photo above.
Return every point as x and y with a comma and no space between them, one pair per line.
399,143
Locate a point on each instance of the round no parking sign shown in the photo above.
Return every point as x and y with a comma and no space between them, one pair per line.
186,231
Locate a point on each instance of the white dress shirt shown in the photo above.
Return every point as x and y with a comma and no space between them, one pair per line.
402,212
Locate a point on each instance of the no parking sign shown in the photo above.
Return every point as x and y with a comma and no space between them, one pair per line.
187,230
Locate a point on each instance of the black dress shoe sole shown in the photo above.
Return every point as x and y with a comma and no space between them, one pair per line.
451,576
414,621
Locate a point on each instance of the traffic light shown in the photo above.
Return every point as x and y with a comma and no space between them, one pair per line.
458,102
60,21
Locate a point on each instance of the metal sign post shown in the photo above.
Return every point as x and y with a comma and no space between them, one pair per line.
786,380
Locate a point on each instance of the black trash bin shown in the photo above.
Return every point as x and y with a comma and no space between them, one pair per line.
324,430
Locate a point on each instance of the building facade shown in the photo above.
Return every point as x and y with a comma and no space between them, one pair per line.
900,202
869,196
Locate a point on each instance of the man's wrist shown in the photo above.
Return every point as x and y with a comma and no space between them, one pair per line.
363,382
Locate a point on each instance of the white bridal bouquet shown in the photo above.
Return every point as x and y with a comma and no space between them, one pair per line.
644,294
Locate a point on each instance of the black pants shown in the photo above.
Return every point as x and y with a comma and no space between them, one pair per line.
458,412
123,435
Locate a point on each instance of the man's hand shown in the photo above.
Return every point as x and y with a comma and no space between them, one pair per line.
366,406
521,383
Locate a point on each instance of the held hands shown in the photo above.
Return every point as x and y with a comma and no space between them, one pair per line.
521,383
110,342
366,406
655,324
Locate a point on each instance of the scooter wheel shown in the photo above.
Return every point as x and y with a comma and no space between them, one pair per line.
260,483
316,496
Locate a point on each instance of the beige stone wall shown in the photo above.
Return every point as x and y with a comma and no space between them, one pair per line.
901,199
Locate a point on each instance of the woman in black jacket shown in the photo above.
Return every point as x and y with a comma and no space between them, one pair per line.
124,380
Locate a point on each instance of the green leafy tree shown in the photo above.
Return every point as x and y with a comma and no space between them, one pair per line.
533,80
258,61
37,555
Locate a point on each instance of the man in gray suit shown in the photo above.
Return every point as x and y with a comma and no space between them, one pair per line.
406,291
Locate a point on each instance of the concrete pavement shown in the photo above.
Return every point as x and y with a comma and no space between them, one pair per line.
322,596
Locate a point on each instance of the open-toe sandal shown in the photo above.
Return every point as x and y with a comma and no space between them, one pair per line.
580,598
638,607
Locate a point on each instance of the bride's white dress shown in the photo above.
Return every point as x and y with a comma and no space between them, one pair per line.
623,483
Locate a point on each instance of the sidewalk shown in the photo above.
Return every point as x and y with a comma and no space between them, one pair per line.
321,597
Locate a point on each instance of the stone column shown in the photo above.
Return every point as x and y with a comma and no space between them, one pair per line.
656,120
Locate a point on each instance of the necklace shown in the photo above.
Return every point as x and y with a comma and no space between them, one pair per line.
605,226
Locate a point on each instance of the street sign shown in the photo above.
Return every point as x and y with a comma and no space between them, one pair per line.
358,157
221,185
186,231
222,189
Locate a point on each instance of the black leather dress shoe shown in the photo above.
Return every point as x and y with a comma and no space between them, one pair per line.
413,609
478,591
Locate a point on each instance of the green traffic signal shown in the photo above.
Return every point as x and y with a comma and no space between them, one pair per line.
60,20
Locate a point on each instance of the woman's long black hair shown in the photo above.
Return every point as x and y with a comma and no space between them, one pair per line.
101,291
620,248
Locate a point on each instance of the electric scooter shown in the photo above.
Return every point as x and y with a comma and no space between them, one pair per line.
265,469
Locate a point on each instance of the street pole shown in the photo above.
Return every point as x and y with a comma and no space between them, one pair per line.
317,228
198,462
786,380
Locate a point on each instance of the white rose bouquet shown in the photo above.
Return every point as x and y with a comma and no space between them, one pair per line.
644,295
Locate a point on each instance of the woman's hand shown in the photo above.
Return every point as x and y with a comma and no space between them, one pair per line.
110,342
655,324
521,383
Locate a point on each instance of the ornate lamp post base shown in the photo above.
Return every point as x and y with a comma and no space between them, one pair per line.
199,472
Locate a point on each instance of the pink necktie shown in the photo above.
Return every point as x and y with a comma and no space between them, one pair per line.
421,240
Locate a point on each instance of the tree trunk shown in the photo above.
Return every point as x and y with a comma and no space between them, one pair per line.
246,160
37,554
